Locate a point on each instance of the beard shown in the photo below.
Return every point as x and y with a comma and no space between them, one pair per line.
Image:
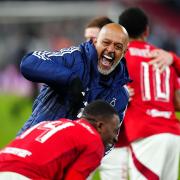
107,72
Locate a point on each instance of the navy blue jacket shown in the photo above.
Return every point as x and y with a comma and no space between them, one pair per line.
57,69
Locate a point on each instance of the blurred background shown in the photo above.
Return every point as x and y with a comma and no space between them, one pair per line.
50,25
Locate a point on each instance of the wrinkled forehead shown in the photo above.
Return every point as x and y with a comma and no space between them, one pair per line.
114,35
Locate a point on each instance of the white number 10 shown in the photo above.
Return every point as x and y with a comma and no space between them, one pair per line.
160,83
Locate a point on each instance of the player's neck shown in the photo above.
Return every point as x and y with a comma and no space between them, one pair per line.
140,38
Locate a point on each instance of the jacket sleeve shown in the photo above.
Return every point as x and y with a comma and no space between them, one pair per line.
48,67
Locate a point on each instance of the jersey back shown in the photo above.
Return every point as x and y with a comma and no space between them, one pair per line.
151,110
51,148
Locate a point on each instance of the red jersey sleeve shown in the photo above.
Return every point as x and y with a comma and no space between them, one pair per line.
178,79
177,83
73,174
176,63
87,162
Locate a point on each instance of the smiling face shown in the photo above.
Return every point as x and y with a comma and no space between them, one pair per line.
111,45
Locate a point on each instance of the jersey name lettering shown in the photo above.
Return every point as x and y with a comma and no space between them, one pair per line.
138,52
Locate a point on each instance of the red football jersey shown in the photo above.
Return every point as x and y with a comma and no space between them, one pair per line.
176,63
51,149
151,110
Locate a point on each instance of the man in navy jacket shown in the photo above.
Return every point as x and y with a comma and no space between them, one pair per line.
76,76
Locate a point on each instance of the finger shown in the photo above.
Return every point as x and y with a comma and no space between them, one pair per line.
131,92
161,70
160,64
130,89
154,53
156,65
154,61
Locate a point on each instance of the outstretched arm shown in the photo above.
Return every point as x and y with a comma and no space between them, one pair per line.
164,58
46,67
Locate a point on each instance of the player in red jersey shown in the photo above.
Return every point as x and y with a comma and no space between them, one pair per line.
62,149
159,57
150,136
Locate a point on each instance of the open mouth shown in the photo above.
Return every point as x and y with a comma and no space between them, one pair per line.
107,60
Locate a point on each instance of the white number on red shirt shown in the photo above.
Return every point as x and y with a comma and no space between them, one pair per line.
160,83
49,129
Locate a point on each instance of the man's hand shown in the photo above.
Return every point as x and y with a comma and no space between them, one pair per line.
161,59
130,91
76,96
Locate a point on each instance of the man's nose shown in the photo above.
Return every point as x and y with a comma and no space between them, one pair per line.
111,48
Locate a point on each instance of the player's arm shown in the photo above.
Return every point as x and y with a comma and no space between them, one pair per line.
87,162
75,175
130,91
164,58
176,81
177,100
176,63
45,68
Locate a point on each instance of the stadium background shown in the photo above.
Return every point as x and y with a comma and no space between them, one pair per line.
50,25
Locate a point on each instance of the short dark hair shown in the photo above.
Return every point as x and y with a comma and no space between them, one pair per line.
99,108
99,22
134,20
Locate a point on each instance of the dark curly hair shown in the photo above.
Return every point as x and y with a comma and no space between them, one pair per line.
134,20
97,109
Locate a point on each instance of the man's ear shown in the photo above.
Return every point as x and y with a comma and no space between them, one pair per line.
146,32
99,125
124,53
